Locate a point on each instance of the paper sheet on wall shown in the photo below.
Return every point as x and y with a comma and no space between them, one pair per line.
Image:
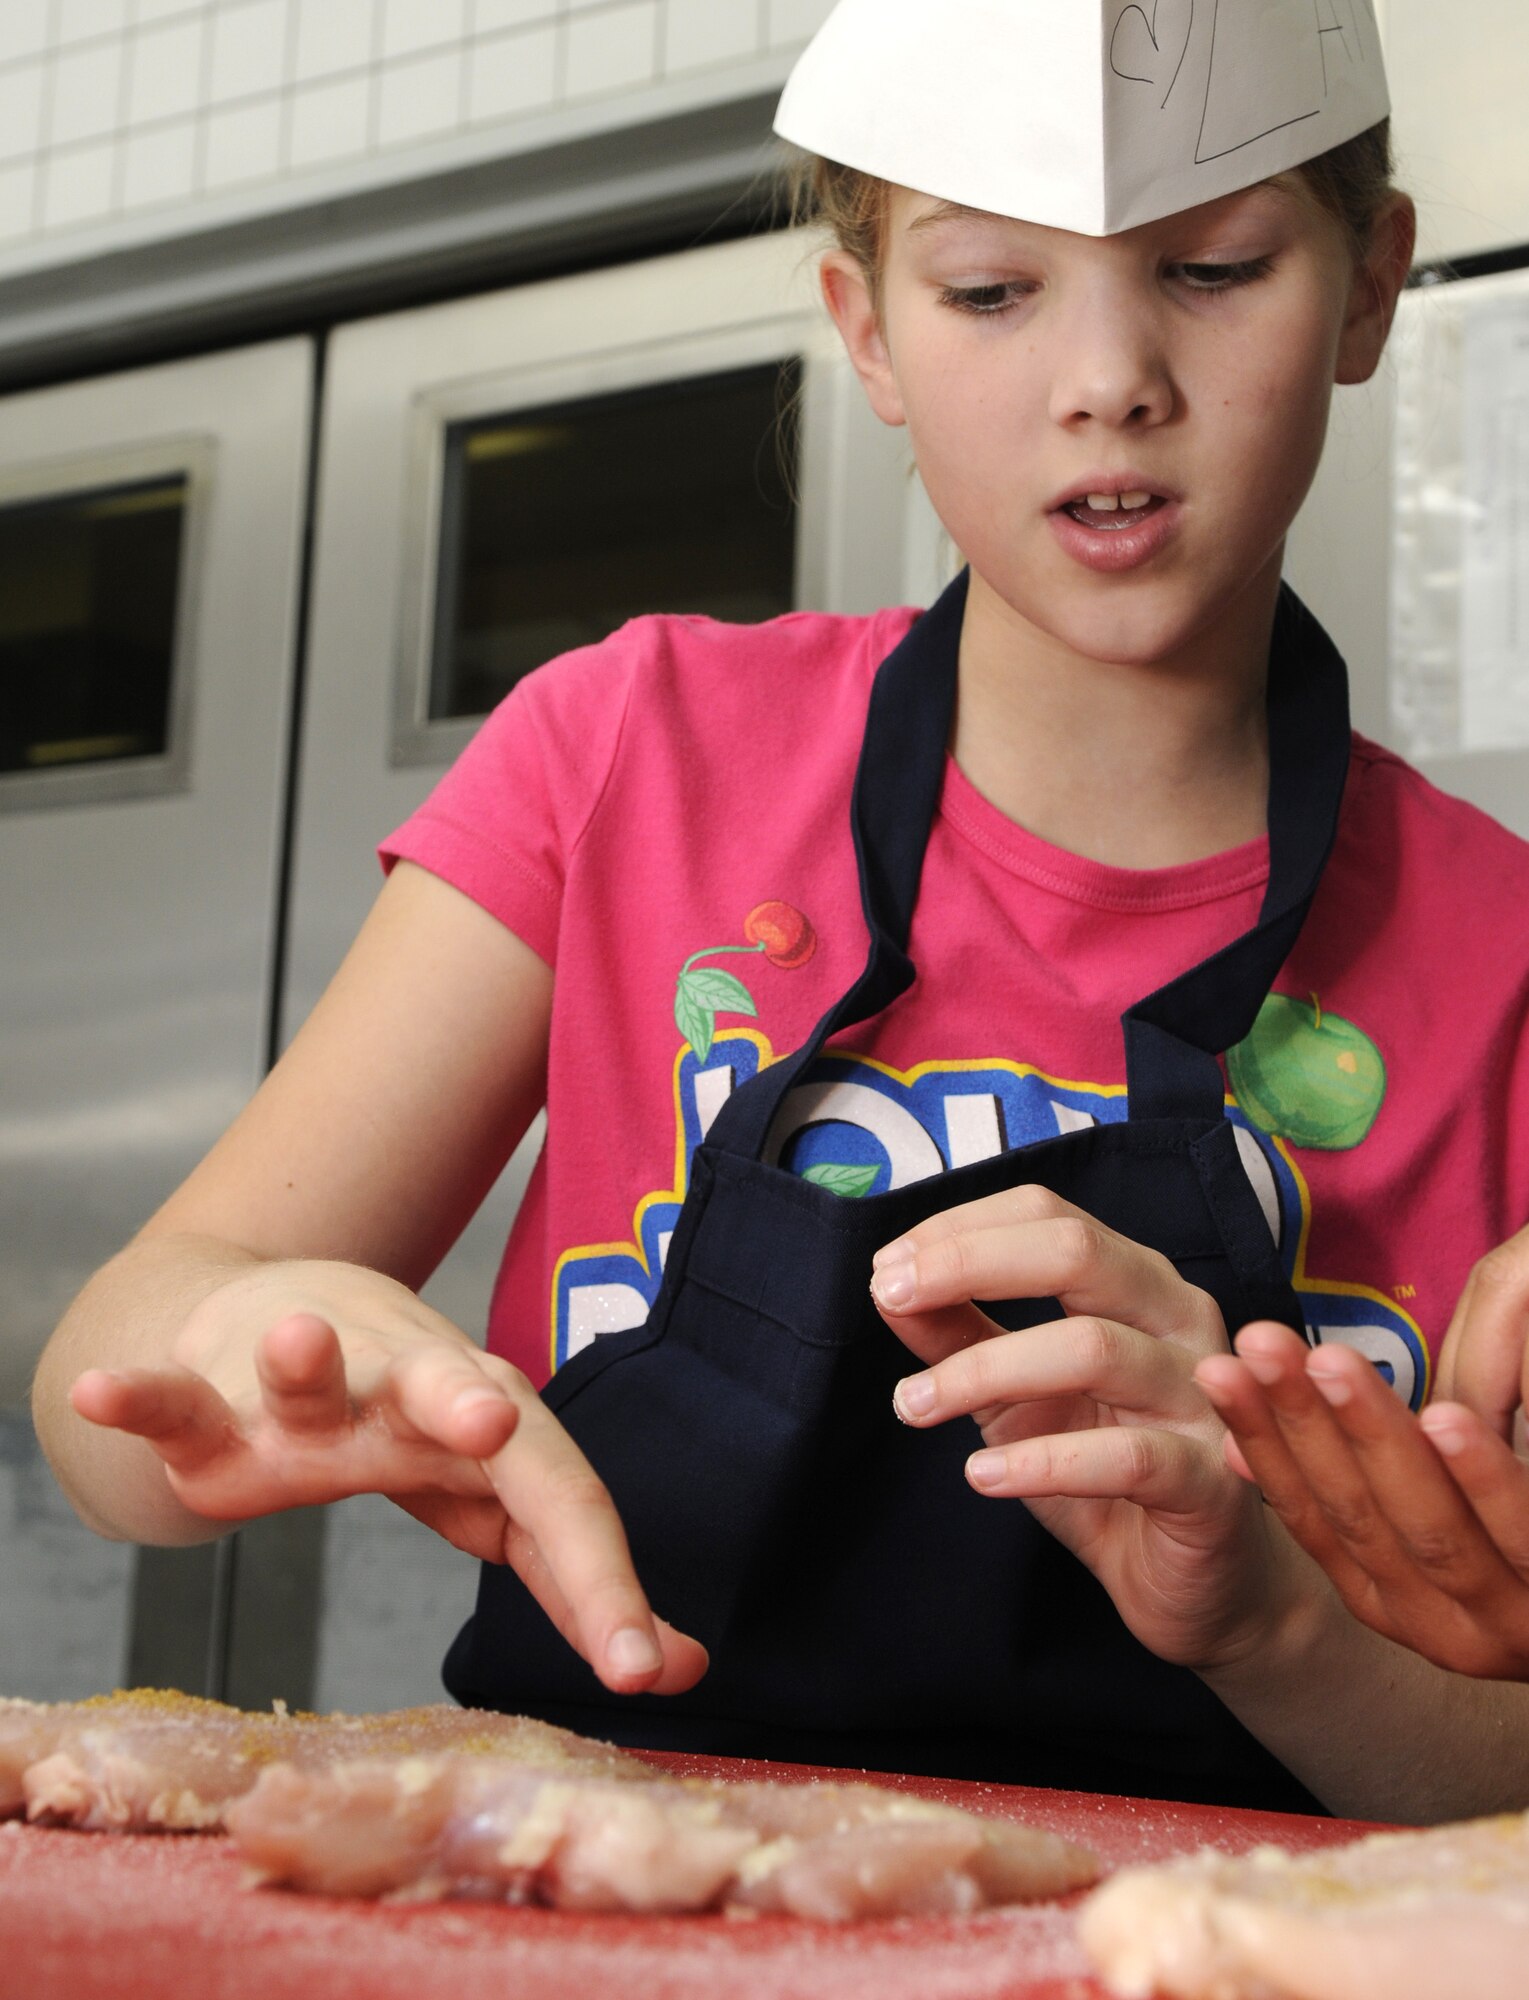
1459,627
1494,612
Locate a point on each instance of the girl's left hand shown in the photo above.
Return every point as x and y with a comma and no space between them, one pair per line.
1421,1522
1093,1420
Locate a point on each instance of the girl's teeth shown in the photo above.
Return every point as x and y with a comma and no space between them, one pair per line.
1107,503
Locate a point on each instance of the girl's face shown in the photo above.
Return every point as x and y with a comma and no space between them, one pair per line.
1190,359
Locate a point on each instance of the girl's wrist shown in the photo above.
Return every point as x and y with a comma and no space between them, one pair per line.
1295,1622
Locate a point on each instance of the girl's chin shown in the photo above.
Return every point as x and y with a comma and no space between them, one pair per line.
1139,630
1133,620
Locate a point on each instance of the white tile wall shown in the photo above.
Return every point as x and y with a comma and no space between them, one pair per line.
86,93
244,143
18,199
24,28
330,122
79,186
82,20
21,105
512,75
612,48
111,110
158,166
342,35
249,50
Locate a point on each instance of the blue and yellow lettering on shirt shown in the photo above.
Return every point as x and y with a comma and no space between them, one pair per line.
862,1128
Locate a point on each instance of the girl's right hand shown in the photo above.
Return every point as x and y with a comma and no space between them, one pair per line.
332,1401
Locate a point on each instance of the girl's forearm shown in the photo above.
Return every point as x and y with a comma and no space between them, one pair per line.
1373,1729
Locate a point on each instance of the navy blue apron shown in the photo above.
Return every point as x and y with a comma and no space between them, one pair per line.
862,1605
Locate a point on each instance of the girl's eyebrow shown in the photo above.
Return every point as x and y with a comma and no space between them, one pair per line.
951,211
1280,191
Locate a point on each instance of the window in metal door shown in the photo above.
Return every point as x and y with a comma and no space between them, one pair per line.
90,590
560,523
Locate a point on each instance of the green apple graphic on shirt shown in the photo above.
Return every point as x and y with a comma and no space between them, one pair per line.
1308,1076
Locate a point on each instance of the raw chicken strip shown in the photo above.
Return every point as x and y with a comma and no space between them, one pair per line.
433,1827
150,1761
1395,1916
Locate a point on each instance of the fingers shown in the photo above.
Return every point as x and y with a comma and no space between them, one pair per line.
1409,1491
683,1660
1029,1243
562,1533
301,1372
1115,1364
1492,1478
1485,1350
1352,1475
1161,1470
183,1417
459,1399
570,1549
933,1335
1258,1447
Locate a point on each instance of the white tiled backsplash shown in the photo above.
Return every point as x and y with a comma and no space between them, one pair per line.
143,117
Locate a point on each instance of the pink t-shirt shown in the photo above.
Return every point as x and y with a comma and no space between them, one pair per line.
639,810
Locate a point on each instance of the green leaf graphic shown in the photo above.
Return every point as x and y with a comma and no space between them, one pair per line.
719,991
851,1182
696,1023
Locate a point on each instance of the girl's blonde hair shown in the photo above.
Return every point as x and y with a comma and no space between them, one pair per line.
1351,184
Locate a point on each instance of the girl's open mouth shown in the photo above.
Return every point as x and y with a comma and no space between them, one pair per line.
1112,532
1111,513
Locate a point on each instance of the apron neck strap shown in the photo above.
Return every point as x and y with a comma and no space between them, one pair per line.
1174,1035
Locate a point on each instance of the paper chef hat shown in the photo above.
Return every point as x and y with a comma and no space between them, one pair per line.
1089,115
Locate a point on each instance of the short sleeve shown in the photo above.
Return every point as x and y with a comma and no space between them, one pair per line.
504,821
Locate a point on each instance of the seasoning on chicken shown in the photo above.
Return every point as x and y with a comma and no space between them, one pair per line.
1395,1916
447,1826
148,1761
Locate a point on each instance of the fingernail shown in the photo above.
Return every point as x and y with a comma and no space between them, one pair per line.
633,1652
1332,1388
472,1400
893,1253
986,1468
893,1284
914,1397
1444,1437
1262,1367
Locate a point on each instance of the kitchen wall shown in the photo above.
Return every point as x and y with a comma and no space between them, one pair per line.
122,121
128,121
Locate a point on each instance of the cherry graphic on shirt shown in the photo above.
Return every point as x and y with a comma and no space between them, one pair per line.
778,932
1308,1076
782,933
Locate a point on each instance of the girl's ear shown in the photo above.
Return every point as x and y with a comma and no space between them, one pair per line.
847,294
1376,287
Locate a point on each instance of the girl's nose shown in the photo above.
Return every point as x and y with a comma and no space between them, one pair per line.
1109,365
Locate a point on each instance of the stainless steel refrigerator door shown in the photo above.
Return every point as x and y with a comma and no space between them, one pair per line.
138,910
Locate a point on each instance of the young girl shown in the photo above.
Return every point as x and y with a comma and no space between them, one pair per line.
1081,809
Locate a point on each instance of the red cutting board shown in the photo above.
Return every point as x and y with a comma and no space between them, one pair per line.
103,1917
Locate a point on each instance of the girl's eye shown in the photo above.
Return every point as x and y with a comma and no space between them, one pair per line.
982,300
1224,277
